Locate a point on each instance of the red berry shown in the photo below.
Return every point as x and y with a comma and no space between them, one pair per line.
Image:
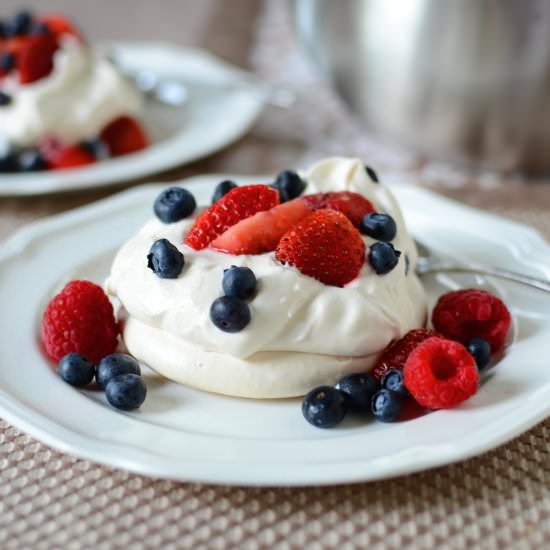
240,203
35,60
353,205
124,135
79,319
261,232
60,25
440,374
325,246
69,157
395,354
464,314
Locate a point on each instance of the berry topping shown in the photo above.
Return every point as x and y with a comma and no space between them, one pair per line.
381,227
38,28
353,205
165,260
64,157
229,314
240,203
76,370
35,60
7,62
19,25
31,160
290,185
386,405
97,148
8,161
440,374
174,204
372,174
239,282
383,257
115,365
396,352
393,380
126,392
5,99
60,25
124,135
359,387
325,407
480,349
325,246
261,232
464,314
80,318
222,189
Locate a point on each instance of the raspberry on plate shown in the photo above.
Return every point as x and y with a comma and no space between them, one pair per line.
325,246
69,157
35,61
440,374
79,319
123,136
465,314
240,203
353,205
395,354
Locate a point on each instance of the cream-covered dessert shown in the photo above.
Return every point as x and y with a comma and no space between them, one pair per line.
301,333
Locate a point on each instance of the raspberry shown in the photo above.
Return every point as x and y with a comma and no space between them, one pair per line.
79,319
325,246
464,314
352,205
440,374
36,59
124,135
395,354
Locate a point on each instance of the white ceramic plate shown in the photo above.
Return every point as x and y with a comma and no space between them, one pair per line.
207,123
185,434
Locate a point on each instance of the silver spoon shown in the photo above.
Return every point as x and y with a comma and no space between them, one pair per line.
428,262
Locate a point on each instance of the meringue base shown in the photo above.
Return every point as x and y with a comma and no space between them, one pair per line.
263,375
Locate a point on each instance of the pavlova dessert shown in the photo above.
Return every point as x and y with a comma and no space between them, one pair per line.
62,104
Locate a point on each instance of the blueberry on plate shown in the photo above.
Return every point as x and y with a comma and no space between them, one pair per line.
8,158
480,349
386,405
174,204
97,148
165,260
372,174
359,387
222,189
126,392
383,257
31,160
381,227
239,282
114,365
76,370
7,62
325,406
290,185
393,380
38,28
5,99
18,25
229,314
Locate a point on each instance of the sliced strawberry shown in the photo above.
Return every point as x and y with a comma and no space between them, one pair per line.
261,232
69,157
325,246
240,203
124,135
35,59
60,25
353,205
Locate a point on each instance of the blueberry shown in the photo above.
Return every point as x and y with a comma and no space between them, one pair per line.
383,257
38,28
7,62
165,259
290,185
229,314
174,204
19,25
126,392
31,160
2,29
239,282
97,148
5,99
393,380
480,349
222,189
360,387
8,158
372,174
378,226
76,370
325,406
114,365
386,405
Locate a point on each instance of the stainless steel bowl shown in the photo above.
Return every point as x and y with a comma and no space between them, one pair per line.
454,79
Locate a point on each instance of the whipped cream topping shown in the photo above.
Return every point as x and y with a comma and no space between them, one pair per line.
292,314
83,93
